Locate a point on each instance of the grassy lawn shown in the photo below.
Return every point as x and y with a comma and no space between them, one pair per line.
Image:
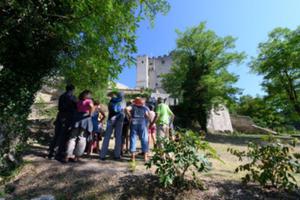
225,171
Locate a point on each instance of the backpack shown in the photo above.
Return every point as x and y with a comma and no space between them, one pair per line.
115,108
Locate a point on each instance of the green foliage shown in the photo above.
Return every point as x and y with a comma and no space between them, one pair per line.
271,163
146,93
278,63
199,77
104,41
263,111
176,158
44,110
85,41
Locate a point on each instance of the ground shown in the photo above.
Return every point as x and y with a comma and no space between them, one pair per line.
95,179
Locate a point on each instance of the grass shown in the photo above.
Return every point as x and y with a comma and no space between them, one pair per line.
8,175
225,171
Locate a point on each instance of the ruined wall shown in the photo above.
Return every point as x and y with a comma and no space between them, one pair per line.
245,124
219,120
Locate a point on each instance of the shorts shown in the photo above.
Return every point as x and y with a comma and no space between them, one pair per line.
162,130
152,130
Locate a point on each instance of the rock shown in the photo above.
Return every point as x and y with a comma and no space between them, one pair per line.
44,197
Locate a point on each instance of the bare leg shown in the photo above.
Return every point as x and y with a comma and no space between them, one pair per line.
127,141
145,157
149,139
133,157
153,139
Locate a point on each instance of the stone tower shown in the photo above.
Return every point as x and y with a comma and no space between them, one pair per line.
142,76
149,71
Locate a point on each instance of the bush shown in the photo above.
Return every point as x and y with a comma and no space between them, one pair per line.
271,164
176,158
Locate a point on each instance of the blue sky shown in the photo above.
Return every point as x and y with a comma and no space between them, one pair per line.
249,21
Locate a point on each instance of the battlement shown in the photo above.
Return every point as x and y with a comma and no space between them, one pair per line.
165,56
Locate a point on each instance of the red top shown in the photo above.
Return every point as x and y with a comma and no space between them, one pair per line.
84,105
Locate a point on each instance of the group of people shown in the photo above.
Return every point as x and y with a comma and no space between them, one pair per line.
79,125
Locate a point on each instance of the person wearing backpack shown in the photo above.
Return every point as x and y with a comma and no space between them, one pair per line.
139,115
114,123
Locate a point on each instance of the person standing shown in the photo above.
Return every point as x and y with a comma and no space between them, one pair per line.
125,130
63,122
152,129
82,127
163,117
114,123
138,114
98,117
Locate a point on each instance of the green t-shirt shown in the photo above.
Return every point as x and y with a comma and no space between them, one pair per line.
163,113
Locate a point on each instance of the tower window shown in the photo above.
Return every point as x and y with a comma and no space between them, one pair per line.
142,62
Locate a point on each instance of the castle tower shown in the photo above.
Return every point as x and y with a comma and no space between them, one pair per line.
142,77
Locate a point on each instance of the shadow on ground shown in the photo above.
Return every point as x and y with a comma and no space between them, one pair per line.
231,139
73,181
92,179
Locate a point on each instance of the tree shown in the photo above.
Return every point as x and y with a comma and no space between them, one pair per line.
278,62
199,75
263,111
86,41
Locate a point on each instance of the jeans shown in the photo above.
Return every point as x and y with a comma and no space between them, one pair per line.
116,125
142,132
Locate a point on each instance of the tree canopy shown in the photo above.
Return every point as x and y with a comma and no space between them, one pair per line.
278,62
86,41
199,77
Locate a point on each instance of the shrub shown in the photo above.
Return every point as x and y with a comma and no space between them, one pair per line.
271,163
176,158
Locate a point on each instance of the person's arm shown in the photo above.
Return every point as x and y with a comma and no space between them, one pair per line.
103,116
91,107
128,112
148,115
155,117
171,114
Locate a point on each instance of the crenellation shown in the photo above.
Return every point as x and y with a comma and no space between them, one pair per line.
155,67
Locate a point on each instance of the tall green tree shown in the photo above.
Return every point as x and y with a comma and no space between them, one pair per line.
86,41
278,62
199,75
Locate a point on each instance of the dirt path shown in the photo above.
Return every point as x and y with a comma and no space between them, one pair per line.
95,179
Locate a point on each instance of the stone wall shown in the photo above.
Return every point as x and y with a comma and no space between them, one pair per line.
219,120
245,124
149,71
142,68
